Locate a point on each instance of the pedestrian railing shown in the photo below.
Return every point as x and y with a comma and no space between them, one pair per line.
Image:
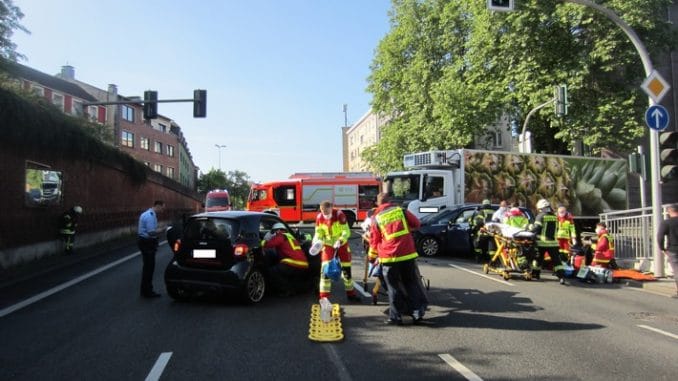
632,231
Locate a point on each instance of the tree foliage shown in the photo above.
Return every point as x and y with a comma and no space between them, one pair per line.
10,15
237,183
447,69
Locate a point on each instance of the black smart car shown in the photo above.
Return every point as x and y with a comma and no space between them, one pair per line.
448,231
221,252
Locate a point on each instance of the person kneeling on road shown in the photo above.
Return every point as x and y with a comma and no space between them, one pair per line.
290,266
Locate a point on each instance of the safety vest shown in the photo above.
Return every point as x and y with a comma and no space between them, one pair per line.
68,224
329,232
290,251
518,222
397,243
610,248
547,234
566,229
480,218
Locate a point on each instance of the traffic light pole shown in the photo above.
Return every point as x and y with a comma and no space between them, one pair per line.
654,134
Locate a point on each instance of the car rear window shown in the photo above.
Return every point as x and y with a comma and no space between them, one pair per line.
217,201
211,228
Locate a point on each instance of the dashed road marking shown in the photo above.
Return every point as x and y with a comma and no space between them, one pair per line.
669,334
342,370
459,367
482,275
159,366
361,289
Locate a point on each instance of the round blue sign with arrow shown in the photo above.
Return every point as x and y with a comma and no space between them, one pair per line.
657,117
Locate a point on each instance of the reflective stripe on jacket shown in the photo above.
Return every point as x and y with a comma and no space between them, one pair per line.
390,234
288,250
328,232
566,229
545,226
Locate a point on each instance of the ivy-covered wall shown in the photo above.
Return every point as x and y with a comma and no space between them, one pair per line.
112,187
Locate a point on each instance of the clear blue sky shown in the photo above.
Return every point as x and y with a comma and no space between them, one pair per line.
276,72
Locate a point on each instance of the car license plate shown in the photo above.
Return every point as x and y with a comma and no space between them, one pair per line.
204,253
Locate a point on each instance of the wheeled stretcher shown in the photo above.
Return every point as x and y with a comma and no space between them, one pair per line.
515,250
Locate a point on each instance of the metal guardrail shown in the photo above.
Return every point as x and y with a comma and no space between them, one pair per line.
632,231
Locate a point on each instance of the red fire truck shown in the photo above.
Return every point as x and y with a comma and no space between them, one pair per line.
297,199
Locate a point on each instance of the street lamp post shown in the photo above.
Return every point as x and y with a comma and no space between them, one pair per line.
220,146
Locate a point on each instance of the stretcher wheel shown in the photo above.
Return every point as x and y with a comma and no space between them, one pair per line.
486,268
506,275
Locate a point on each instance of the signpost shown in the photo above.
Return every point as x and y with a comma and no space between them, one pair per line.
657,117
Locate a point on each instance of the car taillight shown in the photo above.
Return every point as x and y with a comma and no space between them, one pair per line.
177,246
240,250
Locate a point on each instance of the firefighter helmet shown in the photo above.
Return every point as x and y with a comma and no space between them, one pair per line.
77,209
543,203
278,225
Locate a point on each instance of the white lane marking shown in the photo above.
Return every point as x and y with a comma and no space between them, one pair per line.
362,291
159,366
54,290
658,331
342,371
482,275
459,367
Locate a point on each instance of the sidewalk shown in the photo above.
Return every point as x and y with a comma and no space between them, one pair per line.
662,286
50,263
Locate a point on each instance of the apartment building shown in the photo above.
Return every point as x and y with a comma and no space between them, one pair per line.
364,133
158,143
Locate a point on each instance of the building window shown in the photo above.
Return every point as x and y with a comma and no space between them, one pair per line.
37,90
170,150
162,127
170,172
145,143
157,168
128,113
58,100
158,147
497,139
77,108
127,139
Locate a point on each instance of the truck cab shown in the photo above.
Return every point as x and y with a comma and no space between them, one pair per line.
436,185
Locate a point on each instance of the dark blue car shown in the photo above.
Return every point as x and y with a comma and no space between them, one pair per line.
449,232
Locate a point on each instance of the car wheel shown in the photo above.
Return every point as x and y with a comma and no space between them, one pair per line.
254,288
177,293
429,246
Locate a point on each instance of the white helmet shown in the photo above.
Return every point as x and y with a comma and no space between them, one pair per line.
278,225
543,203
77,209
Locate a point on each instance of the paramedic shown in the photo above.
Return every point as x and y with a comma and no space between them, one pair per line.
545,225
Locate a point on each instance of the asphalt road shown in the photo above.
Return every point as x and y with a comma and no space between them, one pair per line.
478,327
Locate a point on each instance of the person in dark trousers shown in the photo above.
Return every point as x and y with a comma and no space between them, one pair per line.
669,229
289,267
147,240
69,222
482,241
391,236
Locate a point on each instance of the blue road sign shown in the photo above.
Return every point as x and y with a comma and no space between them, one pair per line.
656,117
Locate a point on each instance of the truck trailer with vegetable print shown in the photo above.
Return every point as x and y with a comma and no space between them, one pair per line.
435,180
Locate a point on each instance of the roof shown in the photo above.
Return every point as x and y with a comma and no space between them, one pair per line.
232,214
24,72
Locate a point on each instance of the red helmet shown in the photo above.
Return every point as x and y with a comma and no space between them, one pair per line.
515,212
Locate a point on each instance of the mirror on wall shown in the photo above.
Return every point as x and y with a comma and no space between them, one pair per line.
44,186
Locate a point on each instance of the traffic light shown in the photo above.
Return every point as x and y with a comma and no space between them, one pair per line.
150,104
560,93
500,5
199,103
668,143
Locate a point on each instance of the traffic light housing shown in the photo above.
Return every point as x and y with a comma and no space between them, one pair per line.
668,143
560,94
199,103
150,104
500,5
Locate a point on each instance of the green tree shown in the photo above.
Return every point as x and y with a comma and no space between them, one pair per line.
448,69
10,15
237,183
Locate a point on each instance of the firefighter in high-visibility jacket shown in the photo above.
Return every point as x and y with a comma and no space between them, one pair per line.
69,222
603,249
290,266
482,240
391,235
566,233
545,227
331,228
